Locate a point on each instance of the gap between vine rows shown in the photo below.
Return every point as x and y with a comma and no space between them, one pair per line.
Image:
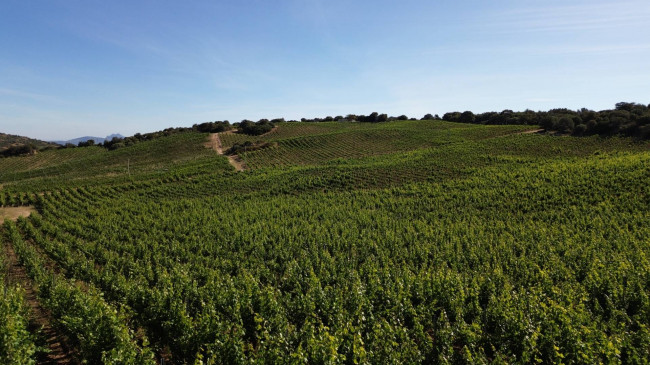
59,349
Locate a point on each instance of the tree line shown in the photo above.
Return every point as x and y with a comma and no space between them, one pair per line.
117,142
626,119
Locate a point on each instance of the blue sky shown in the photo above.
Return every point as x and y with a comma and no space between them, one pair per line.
83,67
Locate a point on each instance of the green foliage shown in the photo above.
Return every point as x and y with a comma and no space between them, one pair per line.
17,343
18,150
212,127
255,129
97,328
164,156
396,242
8,140
313,144
628,119
249,146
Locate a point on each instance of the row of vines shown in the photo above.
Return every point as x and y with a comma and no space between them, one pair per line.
472,244
97,329
512,264
17,342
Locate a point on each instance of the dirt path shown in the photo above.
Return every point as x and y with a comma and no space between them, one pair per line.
237,162
532,131
215,144
60,352
269,132
12,213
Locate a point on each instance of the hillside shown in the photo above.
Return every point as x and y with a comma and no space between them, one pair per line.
8,140
375,243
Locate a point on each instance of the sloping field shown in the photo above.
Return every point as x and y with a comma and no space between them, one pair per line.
421,242
315,143
155,158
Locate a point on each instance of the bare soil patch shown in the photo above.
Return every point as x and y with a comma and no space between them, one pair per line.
533,131
237,163
12,213
215,143
59,350
269,132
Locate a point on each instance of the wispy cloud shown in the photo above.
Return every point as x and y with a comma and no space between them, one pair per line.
28,95
570,18
552,49
192,53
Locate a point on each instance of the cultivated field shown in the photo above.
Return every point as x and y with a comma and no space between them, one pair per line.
370,243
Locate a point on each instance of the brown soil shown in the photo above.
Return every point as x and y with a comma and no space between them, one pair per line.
12,213
269,132
237,162
59,350
532,131
215,144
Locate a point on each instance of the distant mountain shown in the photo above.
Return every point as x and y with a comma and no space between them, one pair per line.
8,140
113,136
75,141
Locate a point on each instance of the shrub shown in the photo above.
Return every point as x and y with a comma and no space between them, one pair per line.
18,150
255,129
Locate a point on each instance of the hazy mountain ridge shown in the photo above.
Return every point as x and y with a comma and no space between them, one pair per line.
76,141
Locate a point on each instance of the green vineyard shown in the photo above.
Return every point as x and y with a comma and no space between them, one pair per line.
344,243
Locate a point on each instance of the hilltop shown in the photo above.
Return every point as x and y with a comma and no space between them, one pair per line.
8,140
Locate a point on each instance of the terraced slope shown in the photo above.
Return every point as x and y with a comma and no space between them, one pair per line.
177,153
316,143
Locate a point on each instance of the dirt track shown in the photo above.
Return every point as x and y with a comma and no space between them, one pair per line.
237,162
215,144
532,131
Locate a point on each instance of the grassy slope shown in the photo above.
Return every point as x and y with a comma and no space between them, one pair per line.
316,143
160,157
444,242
